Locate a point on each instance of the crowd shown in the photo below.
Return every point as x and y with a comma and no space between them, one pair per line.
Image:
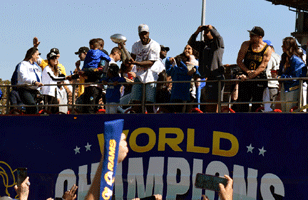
225,191
189,79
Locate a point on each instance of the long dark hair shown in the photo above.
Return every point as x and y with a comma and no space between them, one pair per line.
291,48
54,69
182,56
30,53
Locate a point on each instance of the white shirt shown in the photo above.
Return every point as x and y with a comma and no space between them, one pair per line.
152,73
145,52
273,64
48,77
62,97
28,73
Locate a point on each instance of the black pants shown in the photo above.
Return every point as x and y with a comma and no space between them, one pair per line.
178,108
91,95
50,100
251,90
209,93
28,97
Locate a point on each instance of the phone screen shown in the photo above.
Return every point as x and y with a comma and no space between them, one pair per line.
21,175
148,198
209,182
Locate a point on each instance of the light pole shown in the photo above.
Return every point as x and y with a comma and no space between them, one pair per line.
203,15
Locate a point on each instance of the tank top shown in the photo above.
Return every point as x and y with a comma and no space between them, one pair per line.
254,59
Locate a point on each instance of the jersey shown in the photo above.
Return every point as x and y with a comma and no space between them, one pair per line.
253,60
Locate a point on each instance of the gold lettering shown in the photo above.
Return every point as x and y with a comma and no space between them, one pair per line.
172,142
216,144
133,138
191,143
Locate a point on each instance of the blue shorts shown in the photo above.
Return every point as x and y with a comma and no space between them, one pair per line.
150,91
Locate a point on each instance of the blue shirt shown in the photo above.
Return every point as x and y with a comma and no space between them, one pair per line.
179,91
113,92
297,69
94,57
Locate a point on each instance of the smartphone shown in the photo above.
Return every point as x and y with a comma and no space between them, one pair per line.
209,182
205,28
148,198
21,175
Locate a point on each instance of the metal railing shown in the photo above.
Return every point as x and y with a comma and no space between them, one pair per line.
144,104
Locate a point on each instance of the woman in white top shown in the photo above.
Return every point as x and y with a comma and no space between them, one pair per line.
50,75
28,75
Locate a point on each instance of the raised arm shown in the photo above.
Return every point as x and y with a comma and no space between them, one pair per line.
94,191
192,40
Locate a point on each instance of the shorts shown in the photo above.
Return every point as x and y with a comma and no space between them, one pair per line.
150,91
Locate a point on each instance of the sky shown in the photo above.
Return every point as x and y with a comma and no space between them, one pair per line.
68,25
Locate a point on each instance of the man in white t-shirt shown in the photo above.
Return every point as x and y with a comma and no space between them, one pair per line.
144,54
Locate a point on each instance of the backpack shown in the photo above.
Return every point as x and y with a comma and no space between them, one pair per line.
14,78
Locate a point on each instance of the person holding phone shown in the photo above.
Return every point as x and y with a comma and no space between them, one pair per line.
211,50
22,190
225,192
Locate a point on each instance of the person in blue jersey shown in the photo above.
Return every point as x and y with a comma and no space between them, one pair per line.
181,69
92,72
29,76
95,55
113,93
291,65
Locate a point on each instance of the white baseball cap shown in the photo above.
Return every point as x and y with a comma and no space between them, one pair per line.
142,28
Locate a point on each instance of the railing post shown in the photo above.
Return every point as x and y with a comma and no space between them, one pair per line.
73,98
143,98
219,96
7,99
300,98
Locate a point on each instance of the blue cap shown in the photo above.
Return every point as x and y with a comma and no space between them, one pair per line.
268,42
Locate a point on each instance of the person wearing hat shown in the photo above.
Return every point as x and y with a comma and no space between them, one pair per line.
43,63
50,75
163,51
253,58
271,92
82,53
145,53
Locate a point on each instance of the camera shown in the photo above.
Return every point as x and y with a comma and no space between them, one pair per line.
205,28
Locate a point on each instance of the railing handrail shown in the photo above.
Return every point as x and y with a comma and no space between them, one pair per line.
144,104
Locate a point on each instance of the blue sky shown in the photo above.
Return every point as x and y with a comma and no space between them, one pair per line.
69,25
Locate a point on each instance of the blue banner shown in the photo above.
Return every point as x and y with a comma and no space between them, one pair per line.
265,154
112,137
